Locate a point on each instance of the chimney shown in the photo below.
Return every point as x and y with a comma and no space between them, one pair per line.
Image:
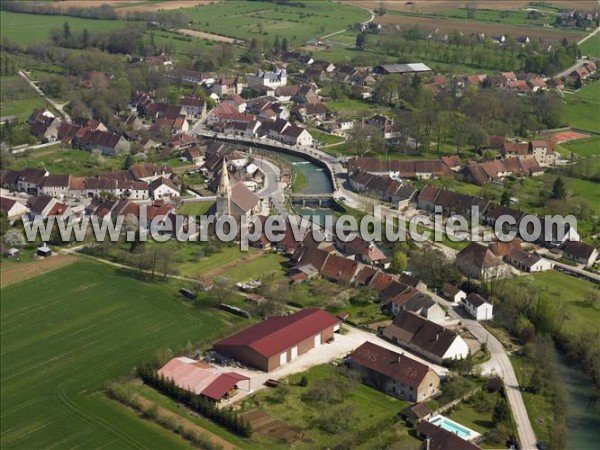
437,336
427,443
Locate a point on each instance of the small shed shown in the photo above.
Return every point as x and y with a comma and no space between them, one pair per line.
12,252
44,251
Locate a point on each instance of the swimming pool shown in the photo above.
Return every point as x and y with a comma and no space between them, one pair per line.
450,425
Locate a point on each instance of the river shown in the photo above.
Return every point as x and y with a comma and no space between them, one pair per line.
583,418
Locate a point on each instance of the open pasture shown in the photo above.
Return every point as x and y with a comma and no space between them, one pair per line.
447,25
434,6
30,28
581,108
264,20
66,334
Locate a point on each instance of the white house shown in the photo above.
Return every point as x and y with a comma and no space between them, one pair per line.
163,188
427,338
454,294
528,262
268,79
294,135
13,209
478,307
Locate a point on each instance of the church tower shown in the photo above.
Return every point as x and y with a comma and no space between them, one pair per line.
224,192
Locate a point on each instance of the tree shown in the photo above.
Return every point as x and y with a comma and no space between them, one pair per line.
361,40
505,199
365,138
592,297
14,238
66,33
399,261
501,411
85,38
284,45
128,162
4,223
559,191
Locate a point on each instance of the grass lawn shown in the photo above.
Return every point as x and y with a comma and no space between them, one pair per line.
326,138
265,20
260,267
66,334
539,408
557,285
30,28
193,265
581,109
591,47
60,159
356,108
362,406
582,147
195,209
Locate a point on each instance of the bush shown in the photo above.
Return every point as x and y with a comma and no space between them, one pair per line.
303,381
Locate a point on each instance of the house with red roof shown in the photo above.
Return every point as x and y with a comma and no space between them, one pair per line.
279,339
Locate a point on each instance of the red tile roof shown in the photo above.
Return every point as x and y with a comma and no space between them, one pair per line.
279,333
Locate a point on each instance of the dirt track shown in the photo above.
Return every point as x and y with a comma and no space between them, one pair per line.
13,272
209,36
470,26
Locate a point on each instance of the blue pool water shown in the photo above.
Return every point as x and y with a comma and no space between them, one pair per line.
452,427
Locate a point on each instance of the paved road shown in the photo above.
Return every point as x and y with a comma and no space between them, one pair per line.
59,108
499,364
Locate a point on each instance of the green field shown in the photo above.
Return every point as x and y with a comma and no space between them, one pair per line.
516,17
591,47
29,28
60,159
195,209
326,138
557,285
263,20
362,406
17,97
581,109
261,267
66,334
583,147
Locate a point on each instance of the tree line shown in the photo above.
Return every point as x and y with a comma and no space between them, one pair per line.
414,43
164,19
225,417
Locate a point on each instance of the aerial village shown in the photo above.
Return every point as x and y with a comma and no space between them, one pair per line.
419,326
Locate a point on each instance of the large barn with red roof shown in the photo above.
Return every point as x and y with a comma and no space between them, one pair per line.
280,339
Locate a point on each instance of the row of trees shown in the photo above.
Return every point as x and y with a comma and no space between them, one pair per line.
225,417
164,19
413,43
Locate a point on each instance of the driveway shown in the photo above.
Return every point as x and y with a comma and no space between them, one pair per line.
342,345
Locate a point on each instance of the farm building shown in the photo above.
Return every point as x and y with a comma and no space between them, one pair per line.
279,339
203,379
394,373
386,69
